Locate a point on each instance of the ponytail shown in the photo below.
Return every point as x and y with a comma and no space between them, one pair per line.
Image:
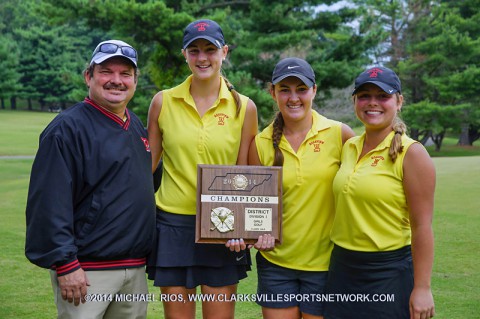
396,147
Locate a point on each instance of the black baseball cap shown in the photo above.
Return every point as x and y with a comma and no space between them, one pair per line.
203,29
382,77
294,67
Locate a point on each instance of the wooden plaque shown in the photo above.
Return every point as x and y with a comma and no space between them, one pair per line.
238,202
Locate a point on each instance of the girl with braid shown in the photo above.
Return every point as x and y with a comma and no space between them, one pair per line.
308,146
201,121
384,194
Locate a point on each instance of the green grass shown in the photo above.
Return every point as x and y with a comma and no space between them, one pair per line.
456,275
20,130
450,148
25,290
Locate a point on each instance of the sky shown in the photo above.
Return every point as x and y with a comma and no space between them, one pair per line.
335,6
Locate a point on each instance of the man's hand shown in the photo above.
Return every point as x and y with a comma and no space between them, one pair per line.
74,286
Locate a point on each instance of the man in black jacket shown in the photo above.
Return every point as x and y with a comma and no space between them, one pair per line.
91,209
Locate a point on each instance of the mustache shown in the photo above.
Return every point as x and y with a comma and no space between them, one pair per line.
115,86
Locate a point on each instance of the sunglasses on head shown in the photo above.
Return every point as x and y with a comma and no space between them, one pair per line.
127,51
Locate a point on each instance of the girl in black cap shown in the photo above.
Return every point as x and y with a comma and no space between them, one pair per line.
201,121
381,264
292,276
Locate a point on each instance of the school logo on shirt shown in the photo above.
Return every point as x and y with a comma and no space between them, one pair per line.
376,160
145,142
221,118
316,145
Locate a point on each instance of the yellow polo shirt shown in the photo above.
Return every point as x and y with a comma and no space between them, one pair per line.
308,204
371,208
189,139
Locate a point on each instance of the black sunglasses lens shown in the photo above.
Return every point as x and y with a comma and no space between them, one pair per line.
108,48
129,52
112,48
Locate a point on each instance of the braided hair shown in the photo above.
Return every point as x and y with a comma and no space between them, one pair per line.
396,147
235,95
276,137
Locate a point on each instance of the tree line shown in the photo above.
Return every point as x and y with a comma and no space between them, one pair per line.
432,45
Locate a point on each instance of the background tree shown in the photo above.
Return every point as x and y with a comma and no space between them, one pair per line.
150,26
443,59
258,32
51,64
430,121
9,71
48,58
432,45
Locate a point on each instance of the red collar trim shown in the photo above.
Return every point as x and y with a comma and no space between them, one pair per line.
114,117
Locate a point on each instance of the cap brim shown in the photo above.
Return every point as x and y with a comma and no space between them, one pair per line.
385,87
102,57
304,79
217,43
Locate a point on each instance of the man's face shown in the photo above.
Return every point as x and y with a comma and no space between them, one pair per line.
113,84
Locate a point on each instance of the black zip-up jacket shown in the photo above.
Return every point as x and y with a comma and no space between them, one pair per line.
90,202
